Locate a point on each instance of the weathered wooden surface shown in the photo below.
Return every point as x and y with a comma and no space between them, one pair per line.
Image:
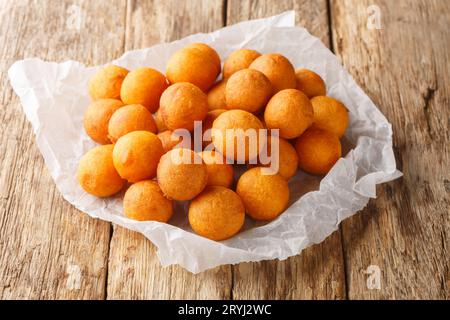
50,250
318,273
404,67
134,269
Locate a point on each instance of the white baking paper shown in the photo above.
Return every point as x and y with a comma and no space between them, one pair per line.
54,97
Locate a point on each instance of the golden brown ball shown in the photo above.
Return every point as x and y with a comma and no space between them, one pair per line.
290,111
145,201
286,159
96,118
143,86
107,82
181,105
217,213
133,117
136,155
169,140
231,138
96,173
208,51
207,125
238,60
278,69
220,173
160,122
182,175
216,96
318,150
192,65
265,197
310,83
330,114
248,90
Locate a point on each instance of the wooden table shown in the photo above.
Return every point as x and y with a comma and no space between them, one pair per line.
49,250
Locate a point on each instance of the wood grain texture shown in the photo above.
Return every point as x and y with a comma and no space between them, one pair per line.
318,273
48,249
404,68
134,268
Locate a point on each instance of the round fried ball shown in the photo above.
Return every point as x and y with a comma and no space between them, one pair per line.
219,172
290,111
265,197
96,119
168,140
207,125
310,83
96,173
145,201
278,69
330,114
143,86
216,96
248,90
192,65
286,159
160,122
136,155
181,174
106,83
208,51
230,137
133,117
238,60
182,104
318,150
217,213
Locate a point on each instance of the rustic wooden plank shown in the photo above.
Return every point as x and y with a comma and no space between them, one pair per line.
134,269
318,273
404,68
48,249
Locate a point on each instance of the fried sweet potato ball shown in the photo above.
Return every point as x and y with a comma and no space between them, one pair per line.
318,150
182,104
290,111
96,173
143,86
310,83
286,159
238,60
136,155
248,90
194,65
145,201
219,172
235,135
168,140
208,51
133,117
330,114
278,69
159,122
97,116
265,197
181,174
217,213
107,82
216,96
207,125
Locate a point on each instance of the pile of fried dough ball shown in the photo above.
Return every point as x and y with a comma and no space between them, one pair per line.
133,114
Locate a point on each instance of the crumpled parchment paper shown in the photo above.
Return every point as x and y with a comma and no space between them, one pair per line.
54,97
